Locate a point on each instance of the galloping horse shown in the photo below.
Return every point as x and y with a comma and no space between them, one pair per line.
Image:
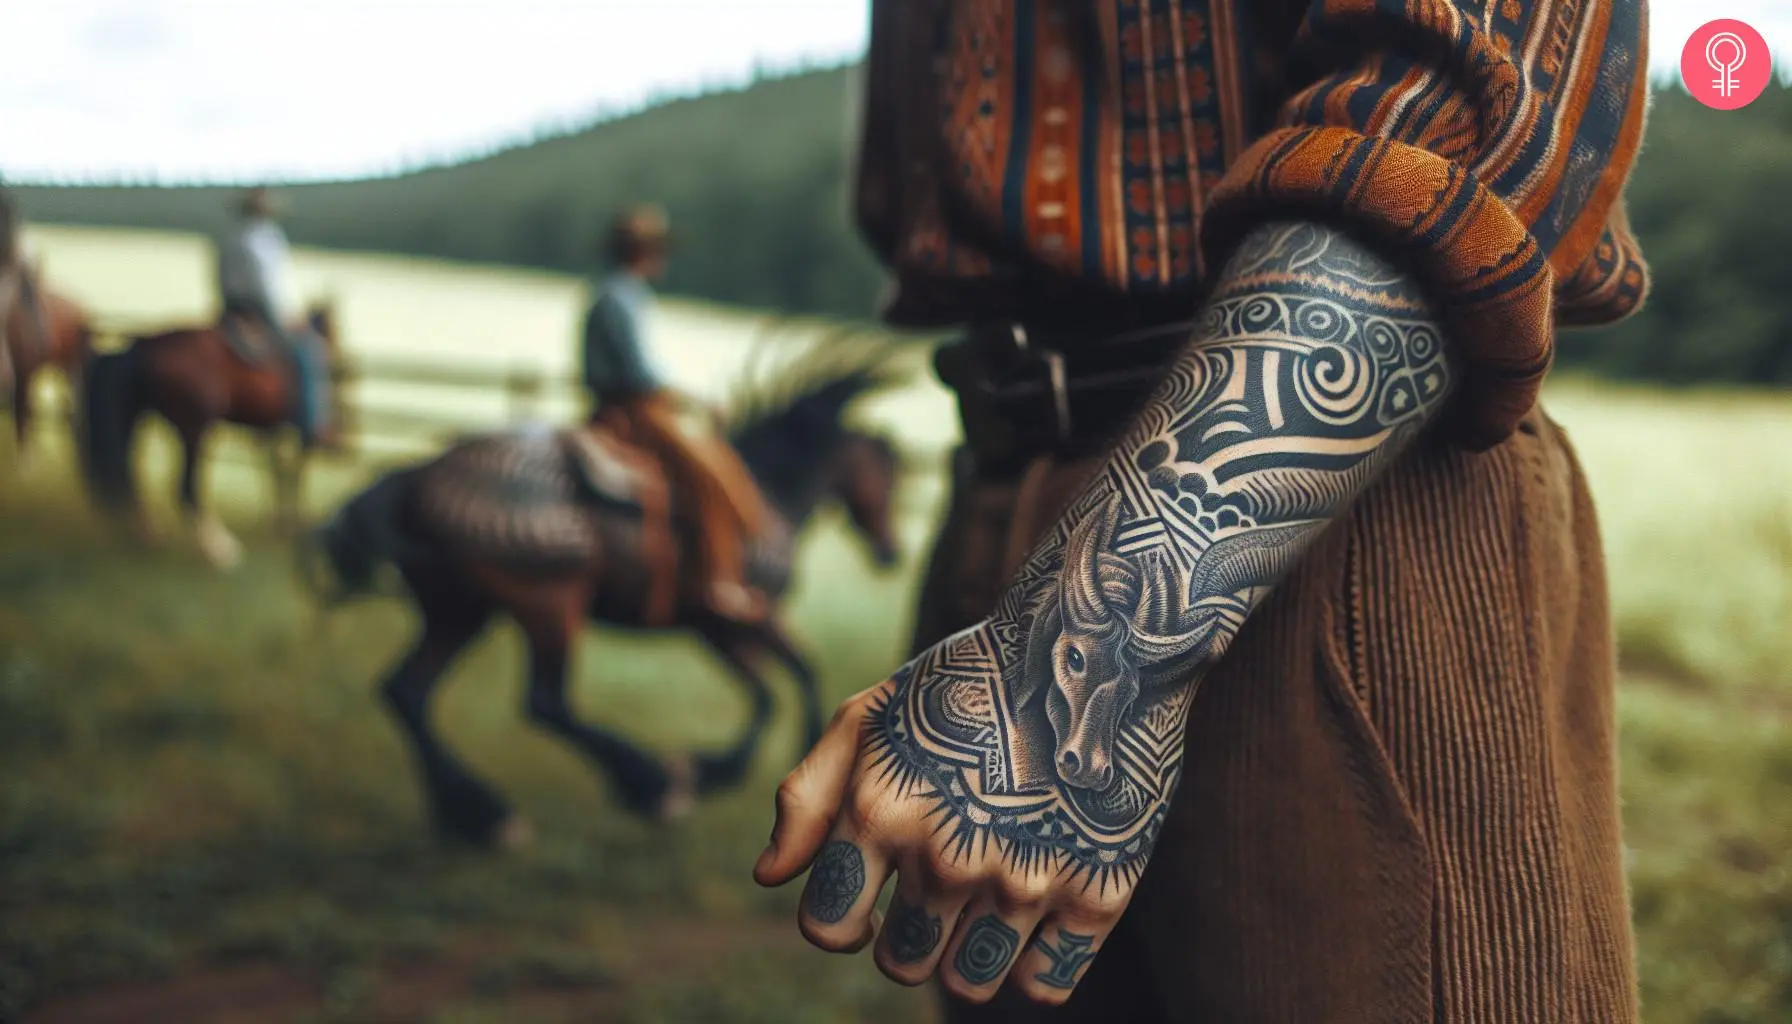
510,524
194,377
43,329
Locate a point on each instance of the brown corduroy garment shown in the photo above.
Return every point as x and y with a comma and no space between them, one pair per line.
1399,801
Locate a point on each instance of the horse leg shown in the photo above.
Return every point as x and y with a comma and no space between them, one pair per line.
21,418
736,647
216,543
644,786
778,643
460,805
286,486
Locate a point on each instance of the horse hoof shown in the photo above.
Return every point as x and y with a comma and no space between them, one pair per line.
515,834
680,798
223,551
223,558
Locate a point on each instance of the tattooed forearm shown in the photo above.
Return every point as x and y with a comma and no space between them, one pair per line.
1055,729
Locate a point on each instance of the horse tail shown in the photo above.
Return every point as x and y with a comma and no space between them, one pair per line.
341,559
74,372
82,354
112,401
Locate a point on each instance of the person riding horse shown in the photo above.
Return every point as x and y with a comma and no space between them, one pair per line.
11,276
254,280
631,399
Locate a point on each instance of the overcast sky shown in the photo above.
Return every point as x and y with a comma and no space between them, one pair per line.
242,89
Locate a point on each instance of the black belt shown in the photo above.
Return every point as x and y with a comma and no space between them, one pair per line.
1023,393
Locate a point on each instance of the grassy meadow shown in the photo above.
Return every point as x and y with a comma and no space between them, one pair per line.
207,817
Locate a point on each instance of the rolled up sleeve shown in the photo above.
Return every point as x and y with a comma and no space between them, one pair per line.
1490,154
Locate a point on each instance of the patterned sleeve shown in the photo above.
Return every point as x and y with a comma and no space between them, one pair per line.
1487,143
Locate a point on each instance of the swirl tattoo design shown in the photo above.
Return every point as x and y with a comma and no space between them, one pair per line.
1053,731
836,881
986,950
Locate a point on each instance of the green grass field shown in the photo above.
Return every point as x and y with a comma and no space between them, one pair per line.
207,817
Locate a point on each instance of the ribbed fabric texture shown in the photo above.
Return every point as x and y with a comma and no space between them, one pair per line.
1399,802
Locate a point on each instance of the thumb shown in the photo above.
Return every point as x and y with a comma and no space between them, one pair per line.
809,797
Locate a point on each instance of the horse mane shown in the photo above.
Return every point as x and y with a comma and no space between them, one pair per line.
812,388
786,422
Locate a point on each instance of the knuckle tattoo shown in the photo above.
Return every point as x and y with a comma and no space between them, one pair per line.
1077,686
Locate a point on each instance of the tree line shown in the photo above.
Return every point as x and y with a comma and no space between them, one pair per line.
756,181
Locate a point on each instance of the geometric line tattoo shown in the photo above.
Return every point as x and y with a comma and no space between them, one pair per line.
1053,732
836,881
1067,957
986,950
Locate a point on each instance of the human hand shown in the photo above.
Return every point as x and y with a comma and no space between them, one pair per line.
953,775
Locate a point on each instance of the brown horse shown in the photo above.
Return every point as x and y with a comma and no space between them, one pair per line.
510,524
43,329
194,378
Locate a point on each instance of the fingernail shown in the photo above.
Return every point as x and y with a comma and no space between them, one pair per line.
765,858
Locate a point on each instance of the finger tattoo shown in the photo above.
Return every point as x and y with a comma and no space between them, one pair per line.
986,950
836,881
913,932
1068,956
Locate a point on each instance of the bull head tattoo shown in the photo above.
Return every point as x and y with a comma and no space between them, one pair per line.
1113,629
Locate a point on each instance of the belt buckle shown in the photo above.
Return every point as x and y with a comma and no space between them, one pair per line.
1057,379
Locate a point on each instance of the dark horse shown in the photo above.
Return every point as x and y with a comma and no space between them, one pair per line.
195,378
43,329
515,527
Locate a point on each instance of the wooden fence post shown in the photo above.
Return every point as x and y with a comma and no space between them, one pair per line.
343,411
524,386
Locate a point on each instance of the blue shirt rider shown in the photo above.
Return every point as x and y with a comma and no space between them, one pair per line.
615,361
11,278
255,281
634,401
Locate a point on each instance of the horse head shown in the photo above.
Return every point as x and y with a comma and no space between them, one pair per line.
867,468
792,434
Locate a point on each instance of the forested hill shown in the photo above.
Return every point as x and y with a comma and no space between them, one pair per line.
756,181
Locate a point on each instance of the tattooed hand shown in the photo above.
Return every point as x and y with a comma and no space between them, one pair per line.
1016,775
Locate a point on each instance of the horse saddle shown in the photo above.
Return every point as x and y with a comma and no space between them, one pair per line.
253,341
533,496
611,470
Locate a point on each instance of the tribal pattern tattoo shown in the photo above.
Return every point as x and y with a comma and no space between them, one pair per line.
986,950
1054,730
913,932
1068,956
836,881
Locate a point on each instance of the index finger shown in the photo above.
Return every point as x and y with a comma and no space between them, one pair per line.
808,800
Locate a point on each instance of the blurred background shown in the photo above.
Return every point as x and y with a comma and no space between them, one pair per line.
205,815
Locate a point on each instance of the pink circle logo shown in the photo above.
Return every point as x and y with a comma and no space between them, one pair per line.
1726,64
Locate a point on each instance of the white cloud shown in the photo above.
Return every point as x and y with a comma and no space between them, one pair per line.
247,88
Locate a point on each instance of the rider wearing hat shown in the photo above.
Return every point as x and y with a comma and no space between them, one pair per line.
11,267
631,396
255,280
14,282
